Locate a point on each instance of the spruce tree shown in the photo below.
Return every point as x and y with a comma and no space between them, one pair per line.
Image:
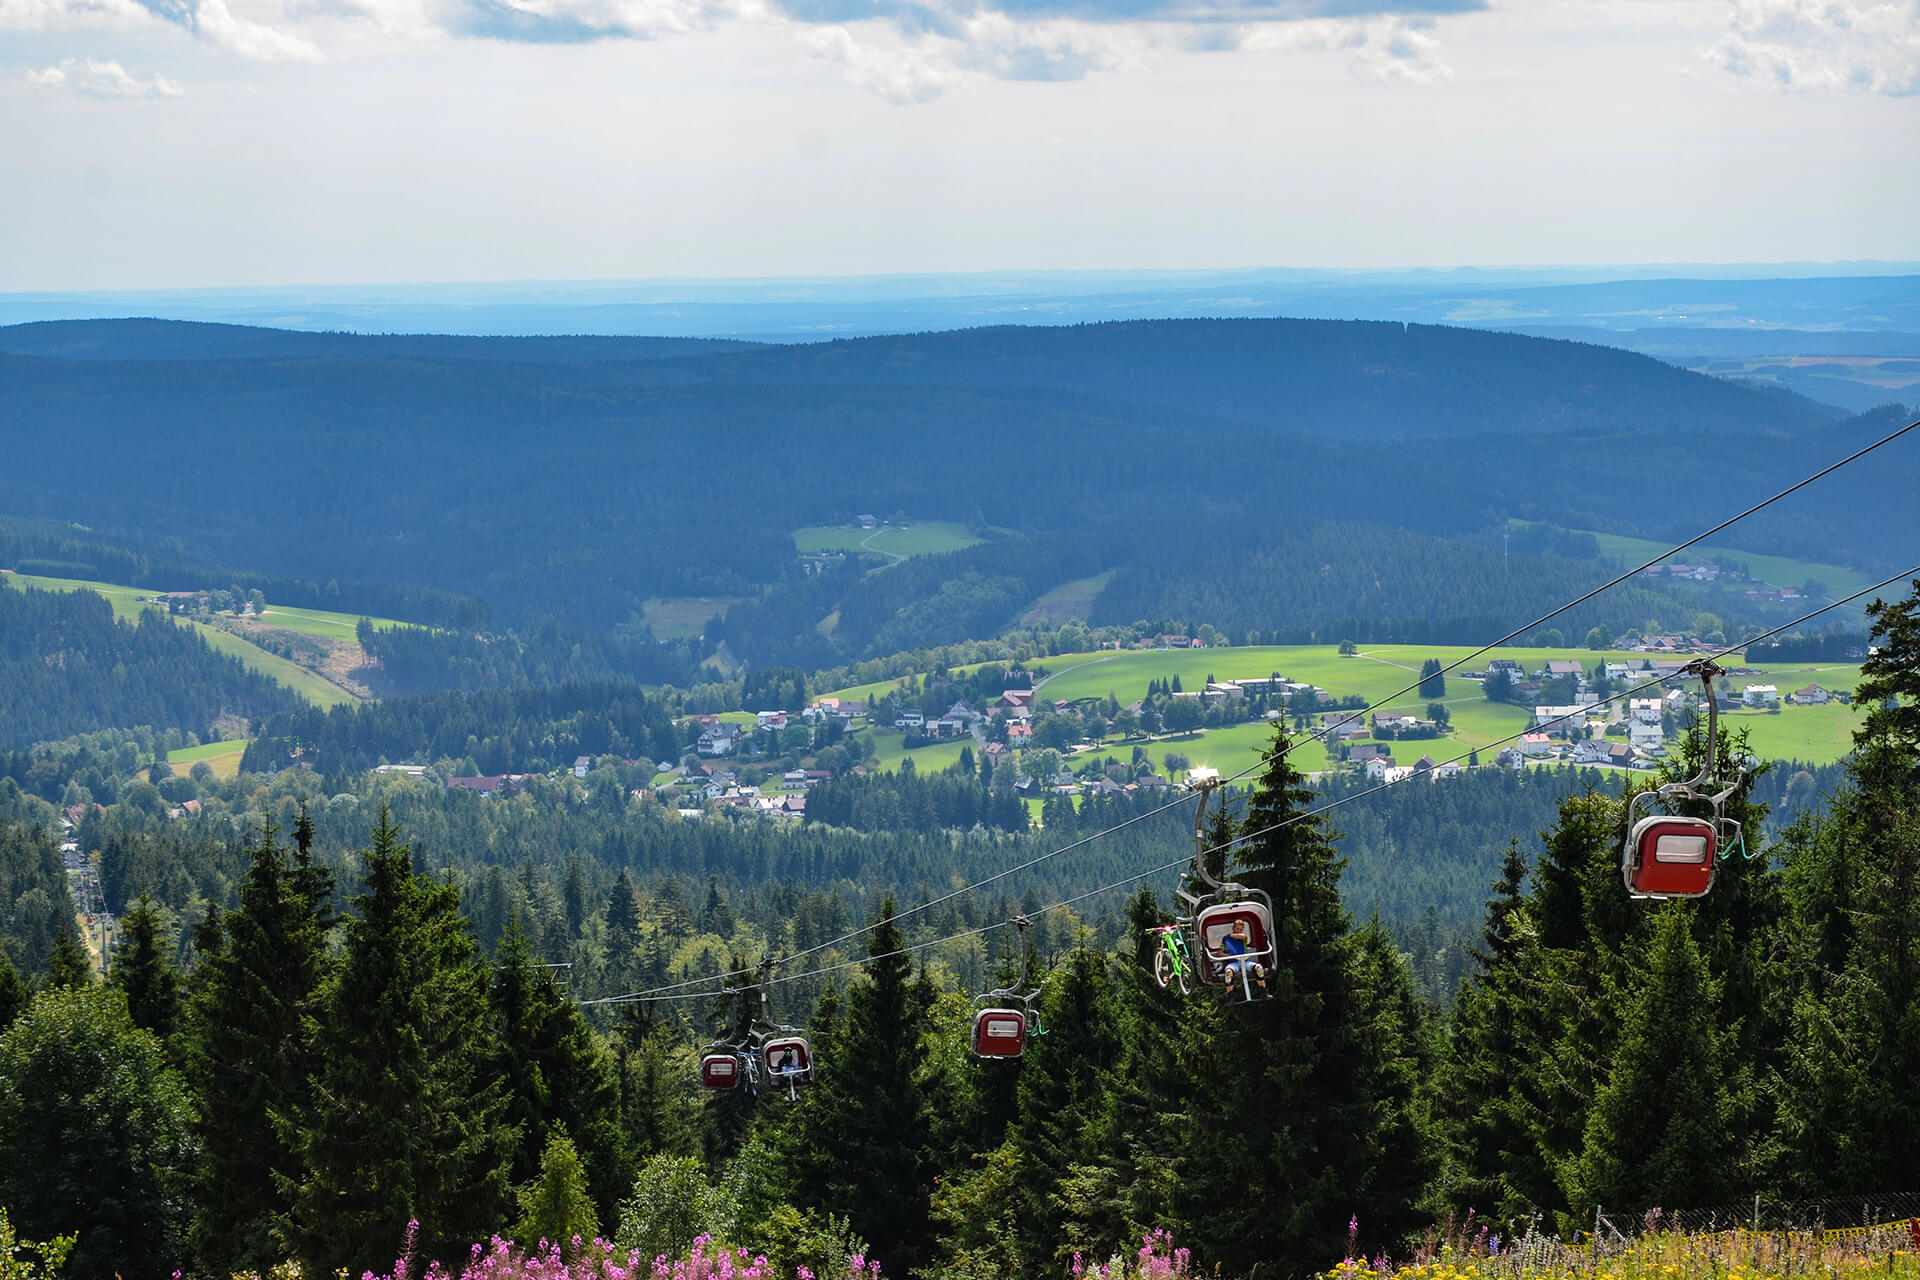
1280,1094
556,1206
142,970
405,1120
1850,1121
866,1126
14,993
1398,1046
1660,1129
1062,1089
249,1054
1483,1132
68,964
558,1076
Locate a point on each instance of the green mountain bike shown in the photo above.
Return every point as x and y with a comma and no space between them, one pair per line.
1171,961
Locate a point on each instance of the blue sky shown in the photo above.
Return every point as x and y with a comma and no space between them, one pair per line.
219,143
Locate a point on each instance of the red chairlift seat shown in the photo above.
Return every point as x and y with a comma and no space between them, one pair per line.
1214,923
720,1071
1671,857
1000,1033
789,1060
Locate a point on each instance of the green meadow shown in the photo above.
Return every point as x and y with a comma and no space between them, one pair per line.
1382,674
920,538
222,757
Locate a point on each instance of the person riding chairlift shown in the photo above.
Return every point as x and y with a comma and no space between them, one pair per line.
1236,944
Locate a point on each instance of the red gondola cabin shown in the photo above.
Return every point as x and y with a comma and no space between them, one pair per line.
720,1071
1670,857
999,1033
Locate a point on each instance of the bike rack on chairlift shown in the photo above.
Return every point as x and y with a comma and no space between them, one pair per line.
1670,854
1223,904
1004,1019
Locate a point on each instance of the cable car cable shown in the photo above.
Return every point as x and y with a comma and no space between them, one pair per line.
1271,757
1298,817
1614,582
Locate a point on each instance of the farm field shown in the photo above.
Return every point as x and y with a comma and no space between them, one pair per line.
684,616
222,757
129,602
920,538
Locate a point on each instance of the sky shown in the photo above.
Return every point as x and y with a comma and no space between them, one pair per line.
159,144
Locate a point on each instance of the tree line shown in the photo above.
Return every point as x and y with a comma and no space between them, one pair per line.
324,1080
67,666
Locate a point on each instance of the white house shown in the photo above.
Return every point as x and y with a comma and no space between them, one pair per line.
1645,710
1645,737
1560,720
719,740
582,766
1535,745
1811,696
1761,695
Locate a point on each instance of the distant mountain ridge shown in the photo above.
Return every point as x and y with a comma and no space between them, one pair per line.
1349,379
580,490
149,339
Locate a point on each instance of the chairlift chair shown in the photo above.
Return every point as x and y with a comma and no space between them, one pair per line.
1217,908
721,1069
781,1050
1004,1019
1669,853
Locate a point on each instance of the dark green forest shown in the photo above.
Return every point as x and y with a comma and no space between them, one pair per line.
68,666
337,1050
1044,435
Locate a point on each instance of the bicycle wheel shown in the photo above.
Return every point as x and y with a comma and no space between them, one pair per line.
1166,969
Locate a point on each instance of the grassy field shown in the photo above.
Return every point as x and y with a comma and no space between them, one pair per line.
891,750
1069,600
320,692
318,622
129,602
1778,571
223,757
920,538
684,616
1814,734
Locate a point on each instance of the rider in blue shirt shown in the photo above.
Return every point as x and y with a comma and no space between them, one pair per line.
1236,944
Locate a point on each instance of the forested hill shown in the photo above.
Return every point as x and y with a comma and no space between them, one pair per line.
1355,380
582,490
139,339
1365,380
68,666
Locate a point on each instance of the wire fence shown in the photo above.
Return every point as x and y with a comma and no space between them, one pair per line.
1833,1216
1758,1238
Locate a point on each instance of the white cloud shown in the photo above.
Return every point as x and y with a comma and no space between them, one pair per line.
1392,49
1870,46
897,72
216,23
209,20
101,79
46,15
219,25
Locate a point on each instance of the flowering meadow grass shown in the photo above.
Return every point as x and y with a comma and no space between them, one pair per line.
1888,1251
502,1259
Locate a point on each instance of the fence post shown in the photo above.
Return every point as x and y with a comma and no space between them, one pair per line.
1756,1213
